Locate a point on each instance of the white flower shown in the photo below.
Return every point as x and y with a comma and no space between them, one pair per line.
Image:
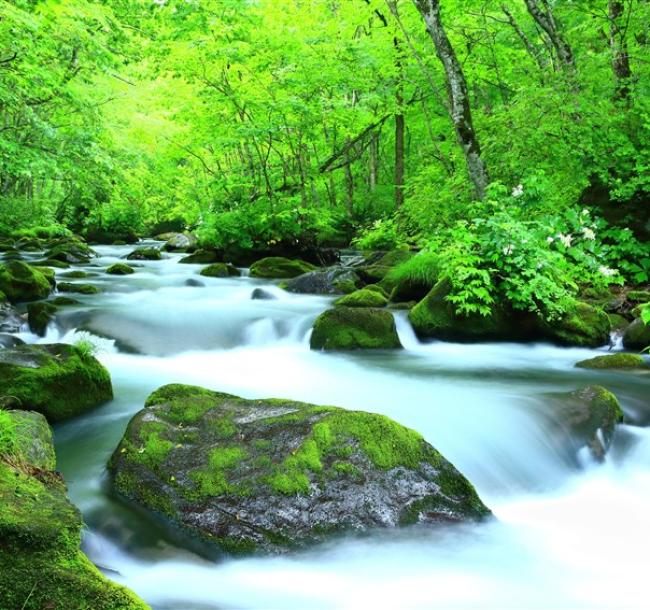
508,250
585,212
518,191
607,271
550,239
565,239
160,2
588,233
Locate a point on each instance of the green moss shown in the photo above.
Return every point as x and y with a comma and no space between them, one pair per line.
8,441
347,469
120,269
584,326
76,275
39,315
363,298
220,270
279,267
614,361
183,411
201,257
79,288
56,380
638,296
354,328
147,254
21,282
637,335
223,427
289,482
213,480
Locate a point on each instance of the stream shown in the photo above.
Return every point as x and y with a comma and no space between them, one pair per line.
568,532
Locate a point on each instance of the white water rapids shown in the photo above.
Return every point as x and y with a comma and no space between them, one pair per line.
568,533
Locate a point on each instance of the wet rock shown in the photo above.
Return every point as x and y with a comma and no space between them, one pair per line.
590,415
39,315
614,361
10,320
194,283
78,288
585,326
58,380
68,250
637,335
41,564
201,257
365,297
274,475
279,267
63,301
10,341
335,280
259,294
21,282
76,275
350,328
220,270
120,269
377,267
51,263
145,254
180,242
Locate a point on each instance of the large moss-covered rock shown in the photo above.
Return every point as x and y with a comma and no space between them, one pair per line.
120,269
584,326
348,328
434,318
378,267
271,475
637,335
201,257
21,282
365,297
590,415
58,380
145,254
180,242
78,288
614,361
279,267
41,564
334,280
70,250
220,270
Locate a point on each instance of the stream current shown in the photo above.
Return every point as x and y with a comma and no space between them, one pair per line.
567,533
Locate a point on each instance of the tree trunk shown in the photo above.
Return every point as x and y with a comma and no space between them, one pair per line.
544,18
530,47
461,114
618,45
373,162
399,128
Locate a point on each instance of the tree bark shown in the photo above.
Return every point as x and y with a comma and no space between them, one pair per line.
530,47
618,45
543,16
460,109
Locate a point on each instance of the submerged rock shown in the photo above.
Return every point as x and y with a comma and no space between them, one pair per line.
41,564
39,315
349,328
21,282
366,297
272,475
590,415
120,269
145,254
58,380
10,340
259,294
614,361
637,335
335,280
279,267
220,270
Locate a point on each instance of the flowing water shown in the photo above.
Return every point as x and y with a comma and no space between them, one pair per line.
568,533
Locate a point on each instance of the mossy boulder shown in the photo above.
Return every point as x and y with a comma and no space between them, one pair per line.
275,475
145,254
379,265
50,262
39,315
62,301
220,270
41,564
351,328
584,326
638,296
120,269
22,282
77,274
365,297
70,251
279,267
614,361
180,242
434,317
590,416
78,288
201,257
334,280
58,380
637,335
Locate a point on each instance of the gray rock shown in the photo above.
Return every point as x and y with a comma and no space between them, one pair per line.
334,280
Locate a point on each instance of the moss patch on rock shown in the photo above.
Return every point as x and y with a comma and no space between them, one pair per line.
351,328
41,564
78,288
39,315
637,335
21,282
279,267
614,361
57,380
220,270
201,257
120,269
366,297
271,475
145,254
584,326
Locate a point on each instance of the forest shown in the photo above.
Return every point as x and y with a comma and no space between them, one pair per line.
432,213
